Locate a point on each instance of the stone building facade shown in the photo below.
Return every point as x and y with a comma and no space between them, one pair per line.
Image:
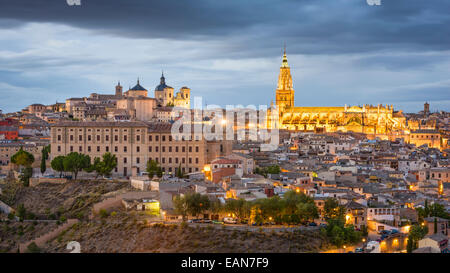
134,143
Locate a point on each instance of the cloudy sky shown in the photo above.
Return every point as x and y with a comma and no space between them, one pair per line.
228,52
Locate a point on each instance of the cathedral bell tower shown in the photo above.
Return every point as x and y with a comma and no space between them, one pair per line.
285,90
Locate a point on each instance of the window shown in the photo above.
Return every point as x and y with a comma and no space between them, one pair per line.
89,137
183,149
176,160
116,138
107,149
98,137
150,138
149,149
170,138
170,160
196,160
190,149
59,137
138,149
176,149
196,149
138,160
89,148
138,138
124,160
125,138
59,148
98,148
107,137
71,137
156,138
163,160
125,149
71,148
183,160
116,149
163,138
156,149
80,138
163,149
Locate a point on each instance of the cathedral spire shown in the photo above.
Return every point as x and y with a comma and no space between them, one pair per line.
285,61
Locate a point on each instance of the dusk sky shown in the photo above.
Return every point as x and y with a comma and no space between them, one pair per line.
228,52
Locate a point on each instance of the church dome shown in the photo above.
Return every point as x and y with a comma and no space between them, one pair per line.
138,87
162,84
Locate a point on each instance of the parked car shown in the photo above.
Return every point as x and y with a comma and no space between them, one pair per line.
394,231
384,232
229,220
217,222
206,221
312,224
359,250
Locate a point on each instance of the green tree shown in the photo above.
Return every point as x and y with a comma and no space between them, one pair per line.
22,158
104,166
45,151
21,211
95,166
180,173
57,164
307,211
416,233
153,169
332,209
239,207
181,206
274,169
197,203
25,175
75,162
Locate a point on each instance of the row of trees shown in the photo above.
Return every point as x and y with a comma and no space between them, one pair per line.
293,208
76,162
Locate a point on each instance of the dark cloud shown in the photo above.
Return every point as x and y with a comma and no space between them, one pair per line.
309,26
342,41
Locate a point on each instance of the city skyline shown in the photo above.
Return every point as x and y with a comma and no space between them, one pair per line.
57,51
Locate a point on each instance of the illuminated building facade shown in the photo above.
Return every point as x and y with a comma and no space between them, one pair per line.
368,119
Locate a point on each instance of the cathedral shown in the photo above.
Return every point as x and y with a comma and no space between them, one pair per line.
377,120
